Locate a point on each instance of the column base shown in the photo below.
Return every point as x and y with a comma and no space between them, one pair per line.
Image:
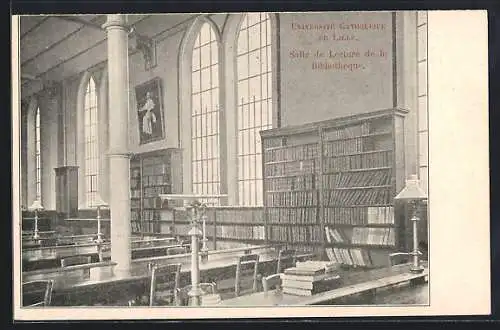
194,297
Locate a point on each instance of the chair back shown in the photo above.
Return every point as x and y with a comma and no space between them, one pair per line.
286,259
75,260
164,282
271,282
246,272
207,290
176,250
37,293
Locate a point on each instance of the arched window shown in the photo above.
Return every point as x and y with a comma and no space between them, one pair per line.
205,113
254,92
91,143
38,158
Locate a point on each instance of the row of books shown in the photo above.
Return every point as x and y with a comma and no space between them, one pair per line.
302,215
306,234
335,235
135,203
358,179
240,232
155,191
155,167
347,132
350,256
155,180
279,233
291,183
382,158
373,236
300,152
142,227
292,198
237,216
135,215
342,147
371,196
360,235
299,167
151,202
359,215
310,277
273,142
150,215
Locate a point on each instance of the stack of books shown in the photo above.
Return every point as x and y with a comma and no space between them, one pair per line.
310,277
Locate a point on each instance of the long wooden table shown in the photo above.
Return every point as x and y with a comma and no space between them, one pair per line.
105,287
50,256
364,282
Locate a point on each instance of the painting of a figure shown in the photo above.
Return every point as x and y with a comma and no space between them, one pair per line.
150,111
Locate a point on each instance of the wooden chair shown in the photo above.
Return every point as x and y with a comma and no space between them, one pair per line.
246,273
164,284
271,282
37,293
75,260
286,259
176,250
182,297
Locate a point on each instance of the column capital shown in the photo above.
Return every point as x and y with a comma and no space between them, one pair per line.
118,21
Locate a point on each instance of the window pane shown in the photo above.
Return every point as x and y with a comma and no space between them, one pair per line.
254,63
205,79
215,76
253,37
255,88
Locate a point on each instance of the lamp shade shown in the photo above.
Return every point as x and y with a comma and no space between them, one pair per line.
37,205
411,191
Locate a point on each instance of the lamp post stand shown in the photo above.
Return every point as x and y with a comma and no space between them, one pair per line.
204,247
195,292
416,267
36,234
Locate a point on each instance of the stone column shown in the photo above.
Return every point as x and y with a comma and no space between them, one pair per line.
119,176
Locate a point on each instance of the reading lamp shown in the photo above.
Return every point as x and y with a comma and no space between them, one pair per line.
99,204
197,209
413,194
36,206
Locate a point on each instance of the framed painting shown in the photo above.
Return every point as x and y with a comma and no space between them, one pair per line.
149,104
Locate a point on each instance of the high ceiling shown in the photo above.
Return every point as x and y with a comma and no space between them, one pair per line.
55,47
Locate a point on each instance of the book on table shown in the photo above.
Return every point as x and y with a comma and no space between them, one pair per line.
310,277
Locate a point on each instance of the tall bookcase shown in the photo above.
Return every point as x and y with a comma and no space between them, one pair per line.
330,186
151,174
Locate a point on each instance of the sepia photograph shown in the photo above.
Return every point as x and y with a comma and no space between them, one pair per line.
224,160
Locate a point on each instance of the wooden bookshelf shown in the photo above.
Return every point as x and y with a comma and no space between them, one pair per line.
330,186
225,224
152,174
